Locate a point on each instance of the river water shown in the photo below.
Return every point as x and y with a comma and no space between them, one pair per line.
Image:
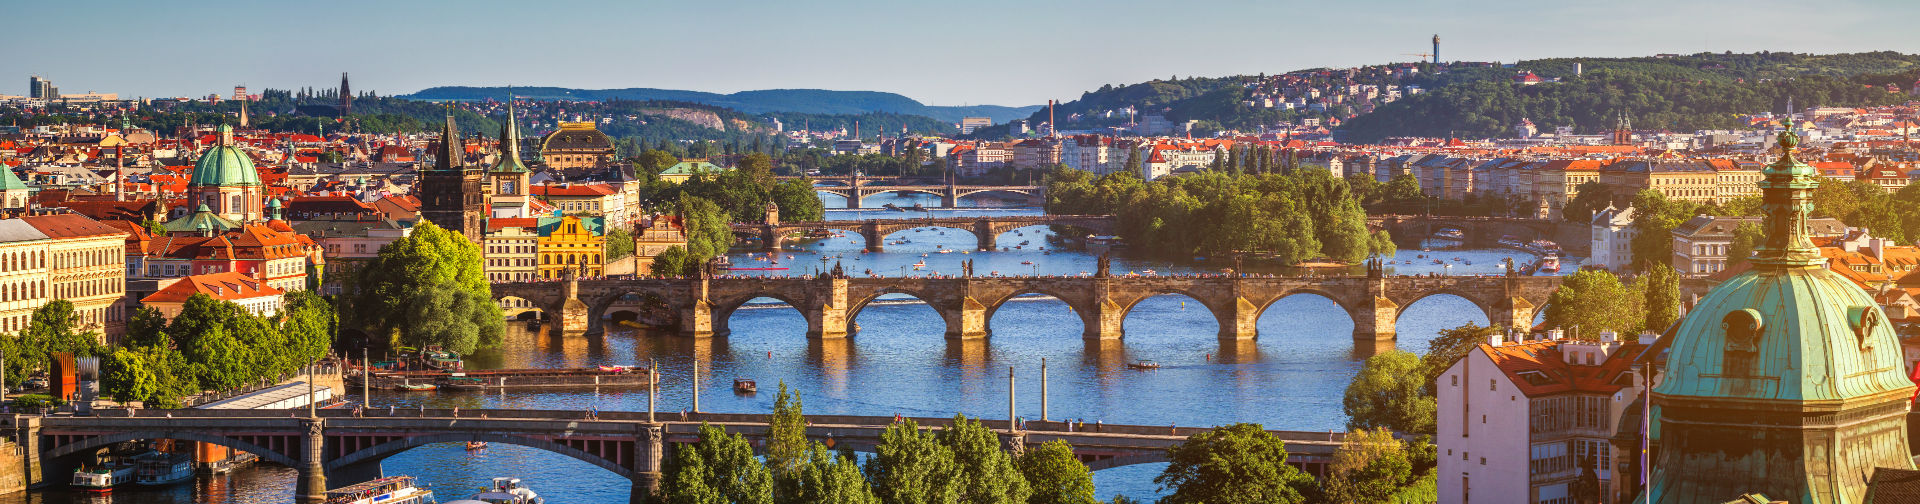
1291,378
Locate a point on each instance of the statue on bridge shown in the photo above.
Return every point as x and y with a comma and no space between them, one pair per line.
1105,265
1375,269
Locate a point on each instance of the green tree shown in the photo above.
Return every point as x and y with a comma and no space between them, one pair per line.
428,289
786,434
986,472
126,376
1590,198
1746,237
1661,284
827,477
308,323
1369,468
798,202
1390,391
913,467
1237,463
651,161
1654,217
1450,346
720,468
619,244
1055,475
1591,301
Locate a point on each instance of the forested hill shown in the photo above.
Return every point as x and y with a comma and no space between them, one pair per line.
804,101
1679,92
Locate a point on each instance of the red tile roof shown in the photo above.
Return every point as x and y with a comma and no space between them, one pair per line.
69,225
225,286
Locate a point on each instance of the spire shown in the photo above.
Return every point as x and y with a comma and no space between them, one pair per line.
1786,189
509,142
243,113
449,156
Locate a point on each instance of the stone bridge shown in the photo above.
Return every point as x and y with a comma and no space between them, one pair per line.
1478,231
855,189
831,303
336,449
986,230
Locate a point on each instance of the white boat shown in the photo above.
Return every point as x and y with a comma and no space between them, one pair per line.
103,478
158,469
508,491
388,490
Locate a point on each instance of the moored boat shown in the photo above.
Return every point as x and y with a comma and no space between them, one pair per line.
1143,364
156,469
508,491
744,386
465,384
388,490
415,387
102,478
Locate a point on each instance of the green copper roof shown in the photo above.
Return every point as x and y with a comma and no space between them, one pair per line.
595,225
510,145
202,218
224,165
11,182
692,167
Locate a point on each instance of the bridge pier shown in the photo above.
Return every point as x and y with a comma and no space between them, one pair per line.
1373,322
875,240
647,463
1106,322
311,488
1239,321
770,238
829,319
696,320
967,322
950,198
983,231
27,434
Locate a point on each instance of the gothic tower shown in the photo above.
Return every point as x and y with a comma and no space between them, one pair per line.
346,96
508,178
452,195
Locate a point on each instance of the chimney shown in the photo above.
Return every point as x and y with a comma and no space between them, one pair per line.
1878,247
1649,337
1609,336
1493,339
1556,334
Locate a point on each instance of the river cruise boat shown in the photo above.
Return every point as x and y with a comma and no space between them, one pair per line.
104,477
1550,263
157,469
744,386
508,491
388,490
415,387
464,384
1143,364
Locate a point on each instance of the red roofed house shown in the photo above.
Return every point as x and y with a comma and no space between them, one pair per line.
253,295
86,264
1518,419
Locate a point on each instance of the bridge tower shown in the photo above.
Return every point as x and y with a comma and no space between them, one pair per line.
1374,319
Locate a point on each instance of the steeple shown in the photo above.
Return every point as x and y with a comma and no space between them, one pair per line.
1786,195
450,155
509,143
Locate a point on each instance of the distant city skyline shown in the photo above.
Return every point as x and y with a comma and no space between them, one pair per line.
997,52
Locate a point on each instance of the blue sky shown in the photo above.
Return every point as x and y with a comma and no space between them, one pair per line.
1005,52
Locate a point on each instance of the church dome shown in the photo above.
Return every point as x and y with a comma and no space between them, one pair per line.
224,165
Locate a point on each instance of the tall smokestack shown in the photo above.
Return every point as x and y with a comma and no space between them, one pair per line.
1051,125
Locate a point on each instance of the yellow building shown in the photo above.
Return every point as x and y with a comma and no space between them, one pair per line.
572,243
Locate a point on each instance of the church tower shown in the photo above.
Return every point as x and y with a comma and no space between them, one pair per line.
225,181
452,194
508,178
1786,380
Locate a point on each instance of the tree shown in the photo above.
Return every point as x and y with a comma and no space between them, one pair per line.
428,289
308,323
912,467
1055,475
1746,237
786,434
720,468
651,161
986,472
126,376
1450,346
1390,392
827,477
1591,197
798,202
1661,284
1591,301
1654,217
1237,463
670,262
1369,468
619,244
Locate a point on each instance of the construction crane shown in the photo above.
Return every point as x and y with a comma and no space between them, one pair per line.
1423,56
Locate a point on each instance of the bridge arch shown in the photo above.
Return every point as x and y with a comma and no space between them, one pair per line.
1486,306
1084,313
723,309
1213,312
96,442
377,453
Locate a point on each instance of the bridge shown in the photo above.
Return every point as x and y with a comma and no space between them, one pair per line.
855,189
830,303
1478,231
335,448
986,230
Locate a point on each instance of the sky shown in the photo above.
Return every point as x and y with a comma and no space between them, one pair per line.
1000,52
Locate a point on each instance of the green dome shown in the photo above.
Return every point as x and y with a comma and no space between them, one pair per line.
224,165
1818,338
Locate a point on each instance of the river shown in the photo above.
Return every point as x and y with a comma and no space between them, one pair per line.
1291,378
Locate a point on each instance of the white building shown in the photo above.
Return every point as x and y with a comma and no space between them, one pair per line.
1495,447
1701,244
1613,234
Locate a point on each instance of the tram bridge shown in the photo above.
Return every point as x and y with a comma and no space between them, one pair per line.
830,303
855,189
335,448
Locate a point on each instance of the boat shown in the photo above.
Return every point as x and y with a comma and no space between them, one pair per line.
476,445
415,387
1550,263
744,386
158,469
917,207
1143,364
507,491
464,384
103,478
388,490
893,207
919,265
1026,262
533,324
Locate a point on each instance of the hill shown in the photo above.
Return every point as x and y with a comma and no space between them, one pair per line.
1479,100
804,101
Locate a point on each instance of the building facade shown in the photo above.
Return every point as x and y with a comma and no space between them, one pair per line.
452,194
576,145
572,244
